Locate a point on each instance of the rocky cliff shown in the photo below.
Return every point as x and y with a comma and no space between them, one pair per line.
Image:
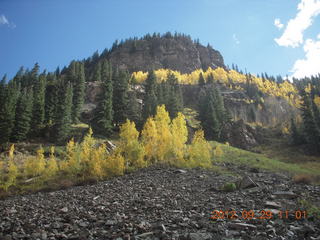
177,52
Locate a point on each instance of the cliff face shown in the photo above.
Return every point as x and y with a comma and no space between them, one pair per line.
273,111
176,53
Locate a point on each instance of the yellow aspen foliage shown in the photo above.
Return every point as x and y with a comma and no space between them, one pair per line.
179,137
72,164
86,146
12,170
308,88
96,168
114,164
52,166
231,79
199,151
163,140
149,139
317,101
131,149
12,173
285,130
35,166
217,152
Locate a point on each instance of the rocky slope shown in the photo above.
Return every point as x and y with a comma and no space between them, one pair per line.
162,203
175,52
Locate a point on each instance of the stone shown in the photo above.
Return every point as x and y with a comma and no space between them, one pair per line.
273,205
241,226
285,194
64,210
246,182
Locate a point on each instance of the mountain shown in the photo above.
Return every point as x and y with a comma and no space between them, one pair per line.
177,52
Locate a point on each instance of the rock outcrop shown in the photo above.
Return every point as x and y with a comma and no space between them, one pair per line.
177,53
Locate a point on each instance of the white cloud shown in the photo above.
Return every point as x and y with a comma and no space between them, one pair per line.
293,33
235,39
310,65
278,23
5,21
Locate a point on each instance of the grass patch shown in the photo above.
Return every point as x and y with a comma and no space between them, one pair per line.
239,157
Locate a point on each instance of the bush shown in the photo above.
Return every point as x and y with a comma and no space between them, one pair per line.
229,187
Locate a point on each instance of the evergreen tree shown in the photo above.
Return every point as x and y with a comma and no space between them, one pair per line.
120,96
23,116
296,137
38,111
316,114
97,73
174,100
134,109
103,117
150,101
78,92
201,80
210,79
311,131
9,93
51,99
63,118
212,113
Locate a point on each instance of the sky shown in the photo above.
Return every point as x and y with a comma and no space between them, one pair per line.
280,37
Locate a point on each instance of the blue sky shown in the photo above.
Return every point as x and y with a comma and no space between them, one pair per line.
53,33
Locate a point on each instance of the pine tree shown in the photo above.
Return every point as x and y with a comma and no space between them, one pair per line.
120,96
38,111
78,92
23,116
103,116
296,137
9,93
63,117
173,96
150,99
316,114
210,79
212,113
133,108
201,80
311,131
97,73
51,99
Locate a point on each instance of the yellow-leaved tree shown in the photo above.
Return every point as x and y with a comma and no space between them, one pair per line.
52,166
179,138
149,140
199,151
71,165
164,136
12,170
35,166
115,163
130,146
217,152
1,172
87,147
96,163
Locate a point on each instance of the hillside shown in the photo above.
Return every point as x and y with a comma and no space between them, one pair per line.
167,203
177,52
